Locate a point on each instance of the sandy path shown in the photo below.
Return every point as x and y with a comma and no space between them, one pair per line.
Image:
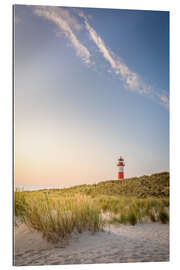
123,243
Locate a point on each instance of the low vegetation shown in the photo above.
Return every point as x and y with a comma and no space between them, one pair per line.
59,212
132,210
155,185
20,205
57,219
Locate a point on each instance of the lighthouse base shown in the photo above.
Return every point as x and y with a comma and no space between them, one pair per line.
120,175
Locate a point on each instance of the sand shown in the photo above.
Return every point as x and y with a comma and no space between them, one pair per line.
117,244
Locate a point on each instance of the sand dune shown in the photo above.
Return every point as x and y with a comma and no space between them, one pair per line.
122,243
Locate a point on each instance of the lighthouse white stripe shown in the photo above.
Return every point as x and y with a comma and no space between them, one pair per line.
121,168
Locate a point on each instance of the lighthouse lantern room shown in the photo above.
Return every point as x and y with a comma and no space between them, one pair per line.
120,165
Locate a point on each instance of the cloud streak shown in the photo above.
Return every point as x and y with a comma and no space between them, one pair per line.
68,24
163,98
65,23
131,79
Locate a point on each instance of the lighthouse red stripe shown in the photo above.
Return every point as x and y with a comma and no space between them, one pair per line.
120,175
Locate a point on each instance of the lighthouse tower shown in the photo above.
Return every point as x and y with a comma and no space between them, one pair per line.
120,168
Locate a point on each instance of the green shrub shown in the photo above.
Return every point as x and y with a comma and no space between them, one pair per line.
163,216
123,219
132,218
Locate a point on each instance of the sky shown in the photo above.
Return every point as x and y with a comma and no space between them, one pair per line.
90,85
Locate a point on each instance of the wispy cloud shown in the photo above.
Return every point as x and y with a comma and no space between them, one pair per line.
65,23
131,79
163,98
70,25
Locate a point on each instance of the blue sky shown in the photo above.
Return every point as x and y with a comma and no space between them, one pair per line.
90,85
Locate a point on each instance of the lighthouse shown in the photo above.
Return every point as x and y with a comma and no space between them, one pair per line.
120,168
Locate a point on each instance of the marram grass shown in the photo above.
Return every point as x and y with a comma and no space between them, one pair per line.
57,219
57,213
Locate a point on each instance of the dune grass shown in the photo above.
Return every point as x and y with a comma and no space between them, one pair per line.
20,204
155,185
134,210
58,218
59,212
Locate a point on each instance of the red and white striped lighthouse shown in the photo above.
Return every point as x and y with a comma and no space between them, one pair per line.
120,168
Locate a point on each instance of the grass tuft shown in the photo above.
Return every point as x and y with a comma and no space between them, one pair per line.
132,218
163,216
58,218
